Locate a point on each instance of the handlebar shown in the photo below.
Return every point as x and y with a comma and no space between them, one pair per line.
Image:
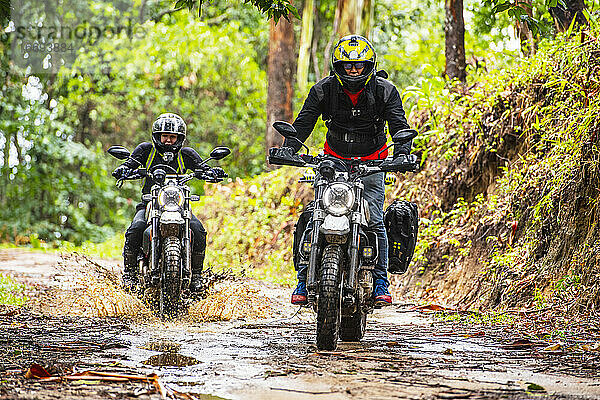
403,163
141,173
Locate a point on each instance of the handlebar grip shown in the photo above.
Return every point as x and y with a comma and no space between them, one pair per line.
406,163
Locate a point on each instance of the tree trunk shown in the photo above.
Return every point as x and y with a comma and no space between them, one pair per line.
356,16
351,17
368,16
454,29
563,17
528,42
305,44
280,69
315,46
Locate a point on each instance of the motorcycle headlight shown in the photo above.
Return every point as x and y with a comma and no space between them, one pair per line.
171,198
338,198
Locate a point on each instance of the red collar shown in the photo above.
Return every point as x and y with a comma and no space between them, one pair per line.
374,156
353,96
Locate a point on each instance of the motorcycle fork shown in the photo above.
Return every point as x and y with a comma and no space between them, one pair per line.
350,281
317,220
186,274
155,251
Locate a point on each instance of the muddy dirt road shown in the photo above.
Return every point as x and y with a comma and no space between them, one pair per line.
263,348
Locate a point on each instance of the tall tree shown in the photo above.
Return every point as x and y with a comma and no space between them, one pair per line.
567,12
351,16
454,28
280,71
306,38
526,37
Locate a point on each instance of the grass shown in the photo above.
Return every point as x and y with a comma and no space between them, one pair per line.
11,292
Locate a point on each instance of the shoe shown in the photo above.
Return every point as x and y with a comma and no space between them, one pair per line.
130,278
381,294
196,283
130,282
197,265
299,297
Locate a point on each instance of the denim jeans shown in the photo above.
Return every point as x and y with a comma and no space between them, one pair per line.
374,194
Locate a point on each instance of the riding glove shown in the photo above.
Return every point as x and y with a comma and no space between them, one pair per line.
122,171
218,172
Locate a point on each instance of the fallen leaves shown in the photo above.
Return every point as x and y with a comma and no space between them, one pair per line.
521,344
36,371
433,307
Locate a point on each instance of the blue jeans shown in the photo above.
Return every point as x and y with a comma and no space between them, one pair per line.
375,195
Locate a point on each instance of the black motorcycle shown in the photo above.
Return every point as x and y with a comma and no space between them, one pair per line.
165,258
339,249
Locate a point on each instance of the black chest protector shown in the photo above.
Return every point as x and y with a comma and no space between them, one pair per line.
359,124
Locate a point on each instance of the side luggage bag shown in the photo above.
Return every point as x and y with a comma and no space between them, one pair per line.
401,220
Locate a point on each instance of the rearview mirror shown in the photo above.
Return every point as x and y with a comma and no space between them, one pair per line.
286,129
219,153
119,152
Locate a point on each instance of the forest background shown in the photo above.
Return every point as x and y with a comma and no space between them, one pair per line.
230,70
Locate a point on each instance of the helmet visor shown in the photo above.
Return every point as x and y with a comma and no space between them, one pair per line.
349,65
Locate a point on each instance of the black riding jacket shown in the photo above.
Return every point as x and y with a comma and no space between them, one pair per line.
145,153
353,131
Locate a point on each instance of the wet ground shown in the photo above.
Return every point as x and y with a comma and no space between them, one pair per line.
268,351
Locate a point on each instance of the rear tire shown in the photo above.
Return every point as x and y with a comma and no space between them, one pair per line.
330,298
352,328
170,285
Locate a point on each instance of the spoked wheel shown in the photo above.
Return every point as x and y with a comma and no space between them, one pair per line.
330,298
170,285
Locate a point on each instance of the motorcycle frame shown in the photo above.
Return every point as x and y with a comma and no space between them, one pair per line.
156,242
352,247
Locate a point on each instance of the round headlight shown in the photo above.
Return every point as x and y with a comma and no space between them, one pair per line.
338,198
170,197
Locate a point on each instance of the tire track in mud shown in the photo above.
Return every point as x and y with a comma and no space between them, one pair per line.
405,355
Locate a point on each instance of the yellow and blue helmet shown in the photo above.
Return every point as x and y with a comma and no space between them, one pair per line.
353,49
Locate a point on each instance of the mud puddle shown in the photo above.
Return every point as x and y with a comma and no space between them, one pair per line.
268,351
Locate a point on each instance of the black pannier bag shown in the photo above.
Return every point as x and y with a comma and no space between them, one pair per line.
401,220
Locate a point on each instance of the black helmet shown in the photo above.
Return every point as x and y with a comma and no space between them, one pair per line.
352,49
168,123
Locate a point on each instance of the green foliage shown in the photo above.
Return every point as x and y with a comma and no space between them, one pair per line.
120,86
111,248
536,15
52,188
536,124
250,224
11,292
409,38
446,229
407,35
273,9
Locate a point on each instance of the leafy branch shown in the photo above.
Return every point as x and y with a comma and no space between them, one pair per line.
272,8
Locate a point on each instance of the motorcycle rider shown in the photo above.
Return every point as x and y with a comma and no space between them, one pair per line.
168,135
355,102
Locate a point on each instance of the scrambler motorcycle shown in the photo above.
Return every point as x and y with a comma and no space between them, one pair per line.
340,250
164,261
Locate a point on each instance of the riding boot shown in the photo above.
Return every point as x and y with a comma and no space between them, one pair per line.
197,265
300,294
130,276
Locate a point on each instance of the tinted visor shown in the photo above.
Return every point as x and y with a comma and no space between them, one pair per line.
348,65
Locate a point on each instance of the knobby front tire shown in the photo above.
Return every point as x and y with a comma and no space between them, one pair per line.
170,288
330,298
